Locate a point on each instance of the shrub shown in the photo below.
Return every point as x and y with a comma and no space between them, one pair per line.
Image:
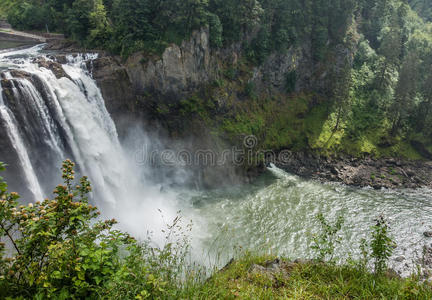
58,249
382,245
324,243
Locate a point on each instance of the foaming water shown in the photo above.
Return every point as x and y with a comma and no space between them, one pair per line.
278,215
14,136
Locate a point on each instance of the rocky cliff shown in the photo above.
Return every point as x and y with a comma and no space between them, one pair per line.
183,69
205,99
192,90
180,70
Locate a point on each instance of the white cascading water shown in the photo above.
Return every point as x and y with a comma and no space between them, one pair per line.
47,130
14,136
72,120
90,131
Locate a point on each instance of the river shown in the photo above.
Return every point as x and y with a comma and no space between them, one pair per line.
277,214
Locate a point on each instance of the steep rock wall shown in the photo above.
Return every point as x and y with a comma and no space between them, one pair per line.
157,87
178,71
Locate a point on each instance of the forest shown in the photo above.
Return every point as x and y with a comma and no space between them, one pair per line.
385,88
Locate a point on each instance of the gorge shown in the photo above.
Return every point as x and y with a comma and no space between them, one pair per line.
215,149
52,108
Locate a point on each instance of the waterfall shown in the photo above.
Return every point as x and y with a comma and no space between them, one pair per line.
59,118
14,136
50,118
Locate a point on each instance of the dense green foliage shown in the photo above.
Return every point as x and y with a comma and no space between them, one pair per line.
375,54
60,249
125,26
422,7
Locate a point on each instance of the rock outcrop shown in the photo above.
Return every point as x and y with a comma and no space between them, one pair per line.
376,173
186,68
179,70
55,67
115,84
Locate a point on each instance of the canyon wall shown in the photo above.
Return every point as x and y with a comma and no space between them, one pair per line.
157,89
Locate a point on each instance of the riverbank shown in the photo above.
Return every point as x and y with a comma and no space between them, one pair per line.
6,46
361,172
11,38
253,277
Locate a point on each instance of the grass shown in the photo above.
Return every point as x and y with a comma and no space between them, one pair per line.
307,280
102,263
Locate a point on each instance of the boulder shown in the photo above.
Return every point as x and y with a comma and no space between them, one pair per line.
273,270
400,259
55,67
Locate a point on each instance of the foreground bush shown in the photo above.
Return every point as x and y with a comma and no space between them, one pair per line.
58,249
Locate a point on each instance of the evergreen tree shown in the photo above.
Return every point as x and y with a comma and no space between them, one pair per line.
405,93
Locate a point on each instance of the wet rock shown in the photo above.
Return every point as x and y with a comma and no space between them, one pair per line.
410,172
376,173
273,269
55,67
391,273
400,259
114,82
64,46
334,170
20,74
426,260
61,59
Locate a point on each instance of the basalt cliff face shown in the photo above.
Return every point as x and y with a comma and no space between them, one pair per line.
191,89
185,69
179,71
